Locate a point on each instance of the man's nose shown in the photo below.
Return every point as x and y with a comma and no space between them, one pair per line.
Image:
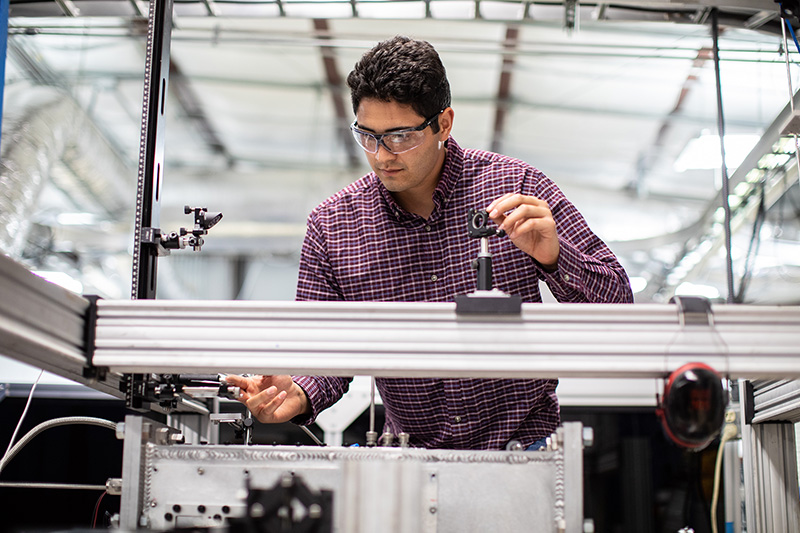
383,152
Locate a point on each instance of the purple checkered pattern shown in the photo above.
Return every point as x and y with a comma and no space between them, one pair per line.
361,245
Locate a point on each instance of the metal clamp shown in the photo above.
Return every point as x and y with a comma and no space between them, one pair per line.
694,310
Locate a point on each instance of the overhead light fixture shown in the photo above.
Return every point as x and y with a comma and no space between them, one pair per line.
702,153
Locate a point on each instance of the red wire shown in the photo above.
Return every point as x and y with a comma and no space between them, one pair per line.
97,508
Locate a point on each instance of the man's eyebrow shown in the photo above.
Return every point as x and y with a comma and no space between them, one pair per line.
390,130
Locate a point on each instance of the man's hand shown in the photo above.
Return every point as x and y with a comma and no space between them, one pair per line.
530,226
271,399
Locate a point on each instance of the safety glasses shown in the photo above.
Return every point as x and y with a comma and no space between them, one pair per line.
396,142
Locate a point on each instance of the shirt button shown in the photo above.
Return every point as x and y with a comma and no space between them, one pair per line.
457,419
566,277
434,277
427,228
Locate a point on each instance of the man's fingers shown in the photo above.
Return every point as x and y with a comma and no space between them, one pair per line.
523,213
238,381
492,206
512,202
527,225
264,404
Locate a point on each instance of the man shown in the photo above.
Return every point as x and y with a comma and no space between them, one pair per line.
399,234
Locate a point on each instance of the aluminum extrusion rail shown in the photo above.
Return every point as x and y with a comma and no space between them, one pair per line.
44,325
430,339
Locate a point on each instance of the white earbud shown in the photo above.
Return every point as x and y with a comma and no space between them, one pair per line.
440,145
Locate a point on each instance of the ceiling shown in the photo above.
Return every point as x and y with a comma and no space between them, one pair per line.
603,98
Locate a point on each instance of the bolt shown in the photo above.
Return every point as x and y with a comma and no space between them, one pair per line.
114,486
257,510
432,509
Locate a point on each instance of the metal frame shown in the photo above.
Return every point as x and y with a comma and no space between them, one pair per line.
397,490
769,455
43,325
47,327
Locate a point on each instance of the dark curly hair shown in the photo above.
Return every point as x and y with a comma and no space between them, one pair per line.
405,71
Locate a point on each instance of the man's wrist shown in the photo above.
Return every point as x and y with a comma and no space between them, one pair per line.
302,399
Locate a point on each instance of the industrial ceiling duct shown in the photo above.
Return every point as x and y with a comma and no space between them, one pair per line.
45,129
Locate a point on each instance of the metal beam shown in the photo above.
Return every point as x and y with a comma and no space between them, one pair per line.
510,45
44,325
181,87
335,85
648,160
430,339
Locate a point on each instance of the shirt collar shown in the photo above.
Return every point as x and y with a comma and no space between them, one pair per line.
451,172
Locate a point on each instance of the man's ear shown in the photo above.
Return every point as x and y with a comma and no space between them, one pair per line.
446,123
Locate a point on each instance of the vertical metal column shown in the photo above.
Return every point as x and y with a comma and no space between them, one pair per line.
130,508
769,456
151,151
732,475
4,8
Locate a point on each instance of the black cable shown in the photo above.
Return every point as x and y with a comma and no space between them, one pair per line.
721,127
752,248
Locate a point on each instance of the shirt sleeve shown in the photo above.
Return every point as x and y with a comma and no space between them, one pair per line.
322,392
315,281
587,269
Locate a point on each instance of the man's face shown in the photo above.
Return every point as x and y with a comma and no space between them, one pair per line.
414,171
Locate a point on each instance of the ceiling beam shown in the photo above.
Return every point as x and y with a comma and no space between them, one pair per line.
647,160
68,8
335,86
181,87
510,45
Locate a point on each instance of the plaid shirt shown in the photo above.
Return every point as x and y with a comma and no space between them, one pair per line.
361,245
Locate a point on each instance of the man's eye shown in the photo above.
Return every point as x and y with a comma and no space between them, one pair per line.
397,138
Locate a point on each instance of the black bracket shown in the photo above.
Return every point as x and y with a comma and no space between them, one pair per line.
488,303
748,402
485,300
290,506
91,372
169,390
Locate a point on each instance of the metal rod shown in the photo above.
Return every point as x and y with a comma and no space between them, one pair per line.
31,485
311,434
